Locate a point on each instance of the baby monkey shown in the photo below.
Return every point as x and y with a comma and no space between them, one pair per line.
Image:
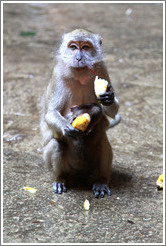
71,152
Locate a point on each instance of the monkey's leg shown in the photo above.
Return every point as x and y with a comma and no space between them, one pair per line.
54,154
59,166
48,152
101,186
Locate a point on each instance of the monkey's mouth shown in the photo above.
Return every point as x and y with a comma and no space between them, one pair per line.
79,64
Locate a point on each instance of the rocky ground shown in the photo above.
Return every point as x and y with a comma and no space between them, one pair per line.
132,42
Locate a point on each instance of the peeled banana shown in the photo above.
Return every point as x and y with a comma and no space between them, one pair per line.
100,86
82,122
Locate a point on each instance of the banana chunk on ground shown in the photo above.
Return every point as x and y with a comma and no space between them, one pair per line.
86,205
30,189
159,182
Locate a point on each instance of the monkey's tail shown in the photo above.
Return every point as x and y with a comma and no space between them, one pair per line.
115,121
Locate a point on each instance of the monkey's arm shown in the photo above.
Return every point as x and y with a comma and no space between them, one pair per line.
56,122
109,101
112,109
60,126
57,103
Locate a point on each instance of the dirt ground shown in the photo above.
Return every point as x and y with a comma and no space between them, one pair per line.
132,42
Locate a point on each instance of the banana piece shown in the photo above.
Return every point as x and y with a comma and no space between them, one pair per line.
159,182
82,122
100,86
86,205
30,189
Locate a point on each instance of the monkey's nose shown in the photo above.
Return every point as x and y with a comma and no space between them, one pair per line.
78,58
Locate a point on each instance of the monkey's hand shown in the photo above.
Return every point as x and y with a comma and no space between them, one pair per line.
107,98
70,131
100,189
59,187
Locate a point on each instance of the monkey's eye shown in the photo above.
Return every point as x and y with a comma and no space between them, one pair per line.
73,47
86,47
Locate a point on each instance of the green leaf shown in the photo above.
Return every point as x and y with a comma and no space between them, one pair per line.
27,34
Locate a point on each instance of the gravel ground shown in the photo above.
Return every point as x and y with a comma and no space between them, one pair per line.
132,41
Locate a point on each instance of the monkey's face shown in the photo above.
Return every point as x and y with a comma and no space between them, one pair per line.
79,54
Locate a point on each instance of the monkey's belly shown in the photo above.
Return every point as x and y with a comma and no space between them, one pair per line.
81,158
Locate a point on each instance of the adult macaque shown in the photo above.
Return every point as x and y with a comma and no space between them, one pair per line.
69,151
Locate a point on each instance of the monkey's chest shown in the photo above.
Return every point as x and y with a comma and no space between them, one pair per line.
78,98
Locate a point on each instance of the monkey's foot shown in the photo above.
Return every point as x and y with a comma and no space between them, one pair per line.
100,190
59,187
